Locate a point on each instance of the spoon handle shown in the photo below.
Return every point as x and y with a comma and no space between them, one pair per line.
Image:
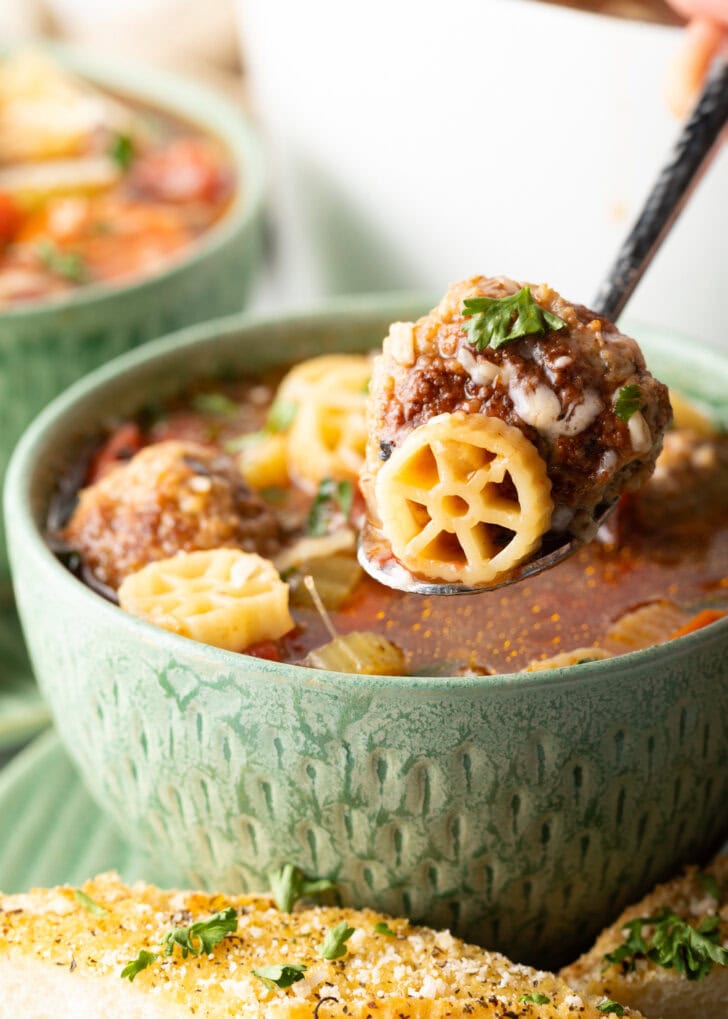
688,159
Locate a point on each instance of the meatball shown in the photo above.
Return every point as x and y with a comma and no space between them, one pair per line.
170,497
577,389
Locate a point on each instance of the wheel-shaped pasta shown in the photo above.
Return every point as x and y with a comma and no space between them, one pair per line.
264,463
565,659
337,373
329,434
328,440
224,597
465,498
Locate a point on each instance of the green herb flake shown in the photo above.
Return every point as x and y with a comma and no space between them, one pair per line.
289,884
609,1007
385,929
121,150
216,404
241,442
536,998
627,402
280,416
141,962
710,885
673,944
200,938
88,903
330,496
69,265
280,976
273,494
494,321
334,945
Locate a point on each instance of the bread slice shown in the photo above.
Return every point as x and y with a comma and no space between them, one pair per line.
662,993
60,960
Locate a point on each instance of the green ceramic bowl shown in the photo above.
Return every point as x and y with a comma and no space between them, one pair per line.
46,346
522,811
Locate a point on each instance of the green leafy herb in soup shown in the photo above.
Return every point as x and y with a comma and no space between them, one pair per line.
94,188
226,520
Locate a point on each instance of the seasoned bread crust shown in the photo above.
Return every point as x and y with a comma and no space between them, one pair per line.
58,959
658,992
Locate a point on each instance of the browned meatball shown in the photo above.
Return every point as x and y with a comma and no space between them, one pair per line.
560,388
171,497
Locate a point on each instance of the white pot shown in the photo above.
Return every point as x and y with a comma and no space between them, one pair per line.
415,143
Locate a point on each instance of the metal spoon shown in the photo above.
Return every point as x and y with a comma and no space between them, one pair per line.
687,162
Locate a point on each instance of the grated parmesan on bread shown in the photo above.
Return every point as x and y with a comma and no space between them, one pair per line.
659,992
59,959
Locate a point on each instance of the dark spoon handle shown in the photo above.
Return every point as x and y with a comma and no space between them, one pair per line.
672,189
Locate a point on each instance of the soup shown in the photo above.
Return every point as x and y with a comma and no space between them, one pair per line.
95,188
658,568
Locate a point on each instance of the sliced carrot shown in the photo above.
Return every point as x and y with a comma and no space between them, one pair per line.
703,618
10,219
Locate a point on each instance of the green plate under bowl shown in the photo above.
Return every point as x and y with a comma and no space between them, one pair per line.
23,712
53,832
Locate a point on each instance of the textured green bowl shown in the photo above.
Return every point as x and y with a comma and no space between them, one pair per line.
46,346
523,811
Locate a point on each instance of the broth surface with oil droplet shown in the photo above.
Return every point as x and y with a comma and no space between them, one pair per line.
673,549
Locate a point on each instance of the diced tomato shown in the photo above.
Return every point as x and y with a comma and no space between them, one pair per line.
10,219
701,619
186,170
119,447
265,649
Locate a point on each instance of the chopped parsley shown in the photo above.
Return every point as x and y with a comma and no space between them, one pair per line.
710,885
494,321
609,1007
289,884
673,944
198,939
627,402
280,416
88,903
536,998
385,929
334,945
67,264
141,962
216,404
331,495
280,976
121,150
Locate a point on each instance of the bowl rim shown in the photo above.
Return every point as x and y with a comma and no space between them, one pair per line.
191,102
39,437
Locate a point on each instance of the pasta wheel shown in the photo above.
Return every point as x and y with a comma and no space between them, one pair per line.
329,434
46,112
264,464
576,657
686,414
650,624
224,597
328,440
336,372
465,498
